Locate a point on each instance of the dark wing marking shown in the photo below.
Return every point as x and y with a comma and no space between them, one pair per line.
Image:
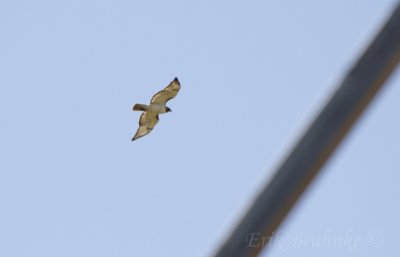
147,121
167,93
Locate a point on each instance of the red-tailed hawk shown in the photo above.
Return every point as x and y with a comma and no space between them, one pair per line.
149,118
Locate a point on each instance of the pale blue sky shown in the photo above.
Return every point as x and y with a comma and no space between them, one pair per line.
252,73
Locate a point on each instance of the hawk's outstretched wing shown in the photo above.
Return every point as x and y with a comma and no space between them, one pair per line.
147,121
167,94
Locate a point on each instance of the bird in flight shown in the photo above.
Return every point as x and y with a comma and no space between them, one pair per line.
149,118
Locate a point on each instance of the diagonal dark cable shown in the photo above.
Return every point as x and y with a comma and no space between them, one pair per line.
319,141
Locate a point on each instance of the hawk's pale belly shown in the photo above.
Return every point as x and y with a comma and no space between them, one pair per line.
157,108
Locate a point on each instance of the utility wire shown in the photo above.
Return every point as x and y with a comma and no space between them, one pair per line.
319,141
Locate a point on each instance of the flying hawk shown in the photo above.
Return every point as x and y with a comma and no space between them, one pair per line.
149,118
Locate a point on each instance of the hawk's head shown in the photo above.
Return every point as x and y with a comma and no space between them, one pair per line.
167,109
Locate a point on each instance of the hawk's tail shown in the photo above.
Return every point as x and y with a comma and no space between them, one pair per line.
140,107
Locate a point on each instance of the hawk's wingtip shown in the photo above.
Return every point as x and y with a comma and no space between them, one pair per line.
176,79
